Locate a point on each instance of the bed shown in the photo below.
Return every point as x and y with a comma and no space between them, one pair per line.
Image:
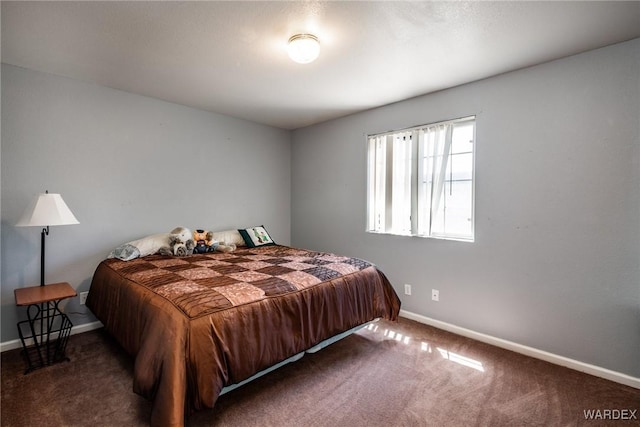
202,324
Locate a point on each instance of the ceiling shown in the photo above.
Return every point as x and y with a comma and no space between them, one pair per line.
230,57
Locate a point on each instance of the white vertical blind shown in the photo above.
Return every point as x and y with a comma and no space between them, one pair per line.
377,183
401,191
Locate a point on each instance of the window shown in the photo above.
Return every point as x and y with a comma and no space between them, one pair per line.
421,181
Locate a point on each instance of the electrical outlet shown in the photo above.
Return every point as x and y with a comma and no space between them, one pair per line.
407,289
83,297
435,295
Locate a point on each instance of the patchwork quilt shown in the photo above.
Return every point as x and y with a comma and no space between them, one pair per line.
204,283
196,324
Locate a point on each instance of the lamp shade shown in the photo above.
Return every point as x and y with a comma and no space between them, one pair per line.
47,209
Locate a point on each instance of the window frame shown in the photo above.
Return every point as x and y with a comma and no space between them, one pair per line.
384,206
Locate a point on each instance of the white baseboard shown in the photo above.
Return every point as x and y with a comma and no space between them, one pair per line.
528,351
86,327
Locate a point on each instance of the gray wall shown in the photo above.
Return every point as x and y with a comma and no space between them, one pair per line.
127,166
555,264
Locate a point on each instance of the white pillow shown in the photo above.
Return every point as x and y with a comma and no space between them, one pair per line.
228,237
142,247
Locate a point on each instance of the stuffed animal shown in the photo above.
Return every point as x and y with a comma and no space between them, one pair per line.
225,247
204,242
179,242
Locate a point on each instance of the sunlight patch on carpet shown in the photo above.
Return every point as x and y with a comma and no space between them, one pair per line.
397,336
462,360
424,346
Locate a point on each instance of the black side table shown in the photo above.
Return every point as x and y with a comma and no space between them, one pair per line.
47,326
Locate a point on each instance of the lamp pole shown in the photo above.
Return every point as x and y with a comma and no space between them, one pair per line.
45,231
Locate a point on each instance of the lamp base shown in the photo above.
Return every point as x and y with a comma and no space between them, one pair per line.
48,329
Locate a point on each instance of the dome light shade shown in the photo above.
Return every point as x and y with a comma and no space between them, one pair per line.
303,48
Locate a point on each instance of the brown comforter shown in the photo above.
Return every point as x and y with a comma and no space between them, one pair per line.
199,323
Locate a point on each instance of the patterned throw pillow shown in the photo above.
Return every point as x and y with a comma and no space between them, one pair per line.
256,236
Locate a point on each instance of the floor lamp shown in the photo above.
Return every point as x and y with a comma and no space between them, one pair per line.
46,210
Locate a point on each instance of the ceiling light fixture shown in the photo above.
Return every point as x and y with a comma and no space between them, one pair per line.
303,48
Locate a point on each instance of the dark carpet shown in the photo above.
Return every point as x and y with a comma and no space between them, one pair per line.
392,374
